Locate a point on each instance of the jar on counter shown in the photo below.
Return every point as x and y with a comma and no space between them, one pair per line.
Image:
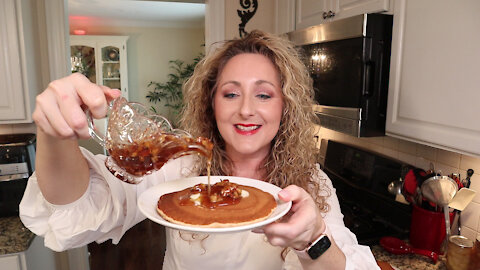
458,252
475,256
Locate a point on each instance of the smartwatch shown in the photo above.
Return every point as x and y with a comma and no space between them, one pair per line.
315,248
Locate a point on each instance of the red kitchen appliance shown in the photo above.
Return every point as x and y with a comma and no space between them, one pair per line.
427,229
17,163
397,246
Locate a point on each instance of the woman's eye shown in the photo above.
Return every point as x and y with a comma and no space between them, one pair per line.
229,95
263,96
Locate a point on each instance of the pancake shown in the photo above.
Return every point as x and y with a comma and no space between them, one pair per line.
228,205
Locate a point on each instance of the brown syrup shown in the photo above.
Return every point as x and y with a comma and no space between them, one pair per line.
146,156
220,194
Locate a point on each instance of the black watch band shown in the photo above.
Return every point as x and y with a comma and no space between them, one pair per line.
317,247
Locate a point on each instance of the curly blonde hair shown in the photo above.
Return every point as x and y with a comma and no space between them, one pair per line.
292,156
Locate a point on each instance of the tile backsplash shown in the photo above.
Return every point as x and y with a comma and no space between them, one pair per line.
421,156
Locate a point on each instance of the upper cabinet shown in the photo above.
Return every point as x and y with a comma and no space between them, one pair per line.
434,82
19,75
313,12
103,59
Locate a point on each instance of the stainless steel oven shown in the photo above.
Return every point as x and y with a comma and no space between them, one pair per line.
17,163
361,178
349,62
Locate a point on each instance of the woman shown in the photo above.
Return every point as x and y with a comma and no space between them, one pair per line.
252,98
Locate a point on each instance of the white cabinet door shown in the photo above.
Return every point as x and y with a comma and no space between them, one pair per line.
103,59
284,16
434,88
12,84
313,12
11,262
112,60
348,8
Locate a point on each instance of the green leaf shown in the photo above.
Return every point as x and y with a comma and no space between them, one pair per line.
170,92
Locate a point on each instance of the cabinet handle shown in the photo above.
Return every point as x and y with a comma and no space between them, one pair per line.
325,15
330,14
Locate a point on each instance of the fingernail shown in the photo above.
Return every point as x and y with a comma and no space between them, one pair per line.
257,230
283,193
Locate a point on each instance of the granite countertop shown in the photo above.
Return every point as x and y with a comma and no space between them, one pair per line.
14,237
408,261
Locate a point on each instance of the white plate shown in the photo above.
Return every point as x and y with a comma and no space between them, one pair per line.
147,202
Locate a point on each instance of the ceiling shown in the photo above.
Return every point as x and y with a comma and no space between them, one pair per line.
137,13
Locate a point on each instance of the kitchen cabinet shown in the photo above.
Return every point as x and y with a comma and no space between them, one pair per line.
18,75
13,262
142,247
36,257
284,16
313,12
434,84
103,59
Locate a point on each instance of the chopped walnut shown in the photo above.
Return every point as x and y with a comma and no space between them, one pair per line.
215,198
198,188
230,190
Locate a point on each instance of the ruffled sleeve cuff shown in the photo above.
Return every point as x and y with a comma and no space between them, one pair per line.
96,215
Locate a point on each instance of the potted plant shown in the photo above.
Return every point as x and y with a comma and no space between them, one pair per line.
170,92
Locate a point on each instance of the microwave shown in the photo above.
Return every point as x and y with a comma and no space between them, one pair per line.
349,62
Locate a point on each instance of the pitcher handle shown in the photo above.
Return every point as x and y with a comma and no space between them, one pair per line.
93,131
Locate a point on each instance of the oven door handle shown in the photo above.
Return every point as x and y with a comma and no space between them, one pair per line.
13,177
369,79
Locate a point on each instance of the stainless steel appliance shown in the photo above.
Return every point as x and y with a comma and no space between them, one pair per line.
17,163
349,61
361,180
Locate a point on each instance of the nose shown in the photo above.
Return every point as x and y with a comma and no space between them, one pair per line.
247,107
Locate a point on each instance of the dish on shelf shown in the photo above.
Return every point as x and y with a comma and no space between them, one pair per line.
111,54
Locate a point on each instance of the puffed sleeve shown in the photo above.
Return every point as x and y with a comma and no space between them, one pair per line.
106,210
358,257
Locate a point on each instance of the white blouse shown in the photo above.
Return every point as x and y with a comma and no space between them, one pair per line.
109,208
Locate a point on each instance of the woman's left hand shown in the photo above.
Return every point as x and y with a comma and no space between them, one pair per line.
301,225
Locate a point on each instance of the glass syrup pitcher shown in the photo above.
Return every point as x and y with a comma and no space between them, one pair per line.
139,142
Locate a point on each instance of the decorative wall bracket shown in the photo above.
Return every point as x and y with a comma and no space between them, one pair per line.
249,9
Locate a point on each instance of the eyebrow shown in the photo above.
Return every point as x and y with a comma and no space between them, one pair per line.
259,82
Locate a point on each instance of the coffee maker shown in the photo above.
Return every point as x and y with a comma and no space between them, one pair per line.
17,163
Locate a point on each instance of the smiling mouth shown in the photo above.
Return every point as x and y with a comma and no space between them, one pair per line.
247,128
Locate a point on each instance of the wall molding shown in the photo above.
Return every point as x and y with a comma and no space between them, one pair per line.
214,23
56,19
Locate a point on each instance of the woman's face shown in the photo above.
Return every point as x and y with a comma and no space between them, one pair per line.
248,105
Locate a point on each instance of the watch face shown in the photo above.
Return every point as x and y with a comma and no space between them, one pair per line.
319,247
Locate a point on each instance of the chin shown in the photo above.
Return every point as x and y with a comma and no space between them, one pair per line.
250,150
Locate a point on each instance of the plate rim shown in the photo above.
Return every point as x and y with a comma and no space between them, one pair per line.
188,181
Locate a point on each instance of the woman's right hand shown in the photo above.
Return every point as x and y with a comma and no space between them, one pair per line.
59,110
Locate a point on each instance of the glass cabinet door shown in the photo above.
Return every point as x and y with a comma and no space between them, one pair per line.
103,59
83,61
111,67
